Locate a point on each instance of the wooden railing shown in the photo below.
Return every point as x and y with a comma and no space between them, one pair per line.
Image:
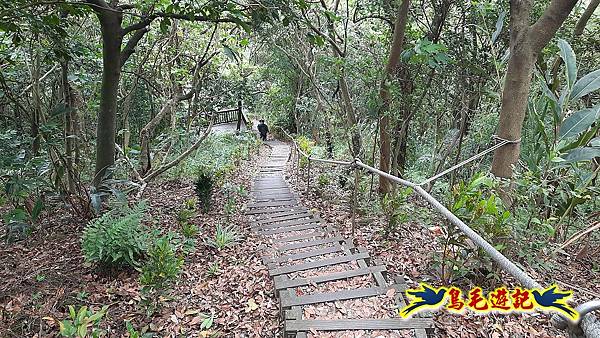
230,115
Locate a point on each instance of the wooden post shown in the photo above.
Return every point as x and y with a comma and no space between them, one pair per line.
308,177
297,166
239,115
353,207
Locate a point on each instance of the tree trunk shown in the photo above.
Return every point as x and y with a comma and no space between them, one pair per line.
69,129
585,17
110,25
525,44
384,94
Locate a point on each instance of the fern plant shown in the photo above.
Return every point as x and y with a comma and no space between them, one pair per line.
117,238
204,188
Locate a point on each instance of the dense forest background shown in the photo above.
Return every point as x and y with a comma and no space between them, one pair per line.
99,99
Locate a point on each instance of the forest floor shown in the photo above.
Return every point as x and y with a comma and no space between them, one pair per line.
409,251
45,273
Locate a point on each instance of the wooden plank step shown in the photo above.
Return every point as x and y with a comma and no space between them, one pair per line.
282,282
300,237
291,299
303,255
302,245
313,225
282,218
357,324
318,264
275,210
277,216
272,204
292,222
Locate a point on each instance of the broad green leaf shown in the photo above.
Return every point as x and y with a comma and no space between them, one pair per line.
595,142
579,122
568,56
499,24
582,154
82,313
37,209
586,85
231,54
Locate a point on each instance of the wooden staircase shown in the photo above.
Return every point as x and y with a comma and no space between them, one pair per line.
302,247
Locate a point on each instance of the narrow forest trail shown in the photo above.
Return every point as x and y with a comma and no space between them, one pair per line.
326,287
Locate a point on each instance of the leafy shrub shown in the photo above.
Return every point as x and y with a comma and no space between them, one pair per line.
476,204
204,188
163,265
213,269
323,180
81,323
117,238
133,333
396,209
189,230
306,145
224,237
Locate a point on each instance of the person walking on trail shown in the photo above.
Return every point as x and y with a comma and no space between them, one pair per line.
262,129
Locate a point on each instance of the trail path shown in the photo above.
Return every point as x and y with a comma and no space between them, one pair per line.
326,286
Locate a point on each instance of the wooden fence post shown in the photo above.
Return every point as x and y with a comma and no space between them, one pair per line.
297,165
239,115
353,207
308,177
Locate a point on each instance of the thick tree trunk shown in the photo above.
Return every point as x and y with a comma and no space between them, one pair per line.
525,44
384,94
110,24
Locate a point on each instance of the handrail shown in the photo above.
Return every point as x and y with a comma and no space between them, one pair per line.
590,328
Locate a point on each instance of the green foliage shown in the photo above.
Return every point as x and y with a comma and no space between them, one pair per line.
323,180
224,237
82,323
475,203
189,230
23,178
117,238
133,333
162,266
306,145
396,208
204,189
213,269
230,207
187,211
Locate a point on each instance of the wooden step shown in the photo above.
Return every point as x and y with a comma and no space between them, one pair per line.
285,217
357,324
283,282
290,299
310,225
318,264
275,225
303,255
302,245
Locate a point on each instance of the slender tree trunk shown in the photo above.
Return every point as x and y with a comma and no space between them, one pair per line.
69,128
585,17
526,41
110,25
384,94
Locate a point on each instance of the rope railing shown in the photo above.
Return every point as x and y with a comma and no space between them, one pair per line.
586,326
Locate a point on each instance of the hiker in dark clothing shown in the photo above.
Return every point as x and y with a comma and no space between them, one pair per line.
262,129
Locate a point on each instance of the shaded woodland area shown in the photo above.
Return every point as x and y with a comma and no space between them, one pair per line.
124,194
